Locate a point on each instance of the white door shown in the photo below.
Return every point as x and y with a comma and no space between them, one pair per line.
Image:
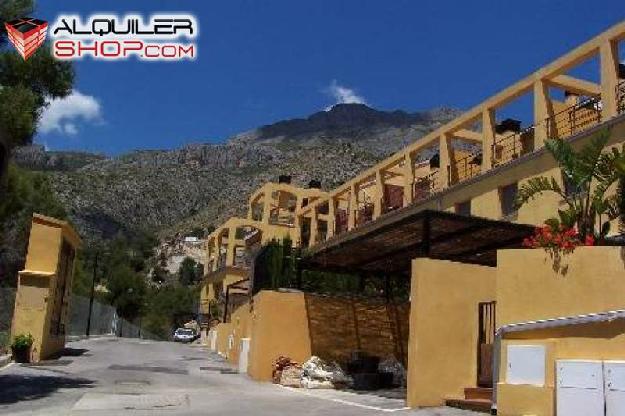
579,390
614,374
244,352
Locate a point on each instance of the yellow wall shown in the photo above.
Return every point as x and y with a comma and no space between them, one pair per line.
240,327
223,332
299,325
280,327
37,286
532,285
44,245
442,348
591,279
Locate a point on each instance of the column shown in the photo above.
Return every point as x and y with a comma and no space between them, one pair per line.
445,153
543,113
488,139
378,194
217,250
314,227
331,216
408,178
609,78
232,244
267,202
353,206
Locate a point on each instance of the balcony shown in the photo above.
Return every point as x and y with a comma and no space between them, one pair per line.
575,119
466,168
393,197
281,216
340,221
512,146
364,213
426,186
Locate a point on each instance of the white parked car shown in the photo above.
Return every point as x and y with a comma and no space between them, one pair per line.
184,335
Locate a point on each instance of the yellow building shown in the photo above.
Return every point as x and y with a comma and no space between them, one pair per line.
230,247
441,214
44,287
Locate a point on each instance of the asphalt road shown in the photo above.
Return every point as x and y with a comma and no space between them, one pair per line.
113,376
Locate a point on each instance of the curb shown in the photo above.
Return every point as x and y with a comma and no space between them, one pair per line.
73,338
5,360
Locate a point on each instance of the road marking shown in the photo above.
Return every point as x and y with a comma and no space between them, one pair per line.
341,401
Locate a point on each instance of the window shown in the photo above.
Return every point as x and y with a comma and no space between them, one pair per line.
463,208
507,195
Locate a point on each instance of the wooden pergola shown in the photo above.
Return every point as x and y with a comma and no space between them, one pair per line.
387,246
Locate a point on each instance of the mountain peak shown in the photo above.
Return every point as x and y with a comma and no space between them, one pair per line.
342,120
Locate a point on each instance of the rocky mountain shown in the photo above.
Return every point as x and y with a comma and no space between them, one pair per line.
176,190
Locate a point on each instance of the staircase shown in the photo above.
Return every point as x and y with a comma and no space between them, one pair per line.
478,399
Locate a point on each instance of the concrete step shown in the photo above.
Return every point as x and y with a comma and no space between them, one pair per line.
484,393
477,405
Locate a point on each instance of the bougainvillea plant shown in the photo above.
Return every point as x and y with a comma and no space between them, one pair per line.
558,239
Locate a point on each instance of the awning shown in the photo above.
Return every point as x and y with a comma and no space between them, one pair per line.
388,245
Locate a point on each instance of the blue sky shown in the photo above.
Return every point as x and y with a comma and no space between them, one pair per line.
263,61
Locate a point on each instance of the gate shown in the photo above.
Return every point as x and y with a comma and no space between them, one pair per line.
486,338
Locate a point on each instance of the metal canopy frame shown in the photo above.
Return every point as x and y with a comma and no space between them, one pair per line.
387,246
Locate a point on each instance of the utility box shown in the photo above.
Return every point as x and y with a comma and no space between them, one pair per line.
614,377
244,351
579,388
526,365
212,337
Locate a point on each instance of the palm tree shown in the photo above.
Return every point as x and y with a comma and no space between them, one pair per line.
588,173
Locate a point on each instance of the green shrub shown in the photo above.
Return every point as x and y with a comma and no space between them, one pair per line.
22,342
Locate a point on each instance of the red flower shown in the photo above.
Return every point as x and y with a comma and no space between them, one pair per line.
590,240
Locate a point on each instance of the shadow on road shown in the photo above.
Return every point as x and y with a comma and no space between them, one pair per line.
15,388
72,352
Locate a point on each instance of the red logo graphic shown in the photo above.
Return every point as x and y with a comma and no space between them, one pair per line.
26,34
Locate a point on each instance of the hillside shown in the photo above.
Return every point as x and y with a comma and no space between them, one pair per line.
175,190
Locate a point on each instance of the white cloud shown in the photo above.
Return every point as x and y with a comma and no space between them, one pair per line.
70,129
343,95
62,114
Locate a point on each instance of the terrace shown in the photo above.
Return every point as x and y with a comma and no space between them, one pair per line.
485,138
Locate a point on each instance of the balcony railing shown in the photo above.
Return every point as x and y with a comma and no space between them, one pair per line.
393,197
574,119
340,222
426,186
282,217
466,168
322,236
364,213
513,146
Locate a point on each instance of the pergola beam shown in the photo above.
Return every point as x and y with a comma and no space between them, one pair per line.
469,135
576,85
